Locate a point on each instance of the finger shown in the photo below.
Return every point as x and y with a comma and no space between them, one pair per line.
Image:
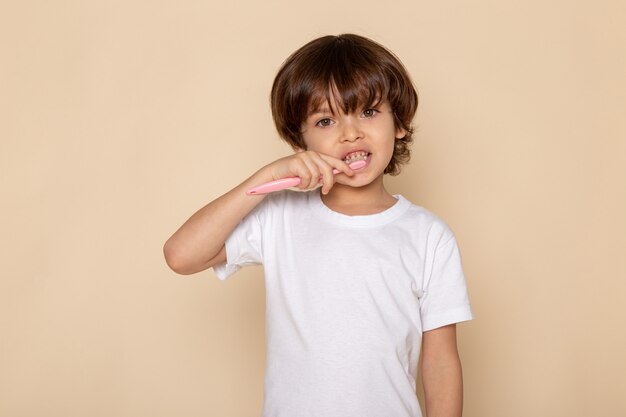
327,178
311,174
338,164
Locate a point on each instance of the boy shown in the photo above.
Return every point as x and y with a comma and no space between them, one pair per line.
357,280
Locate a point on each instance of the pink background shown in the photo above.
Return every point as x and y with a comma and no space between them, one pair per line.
119,119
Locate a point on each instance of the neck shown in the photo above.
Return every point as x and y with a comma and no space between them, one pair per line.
369,199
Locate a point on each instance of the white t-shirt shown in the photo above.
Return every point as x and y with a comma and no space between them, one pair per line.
347,300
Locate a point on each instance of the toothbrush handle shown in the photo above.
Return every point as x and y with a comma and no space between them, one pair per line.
283,183
272,186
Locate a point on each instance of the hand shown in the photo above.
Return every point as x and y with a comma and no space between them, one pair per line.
312,168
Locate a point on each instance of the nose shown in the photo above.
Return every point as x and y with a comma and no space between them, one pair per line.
351,131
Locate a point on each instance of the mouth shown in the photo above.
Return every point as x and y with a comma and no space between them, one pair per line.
356,156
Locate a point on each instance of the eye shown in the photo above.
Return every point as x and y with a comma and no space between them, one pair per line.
324,122
370,112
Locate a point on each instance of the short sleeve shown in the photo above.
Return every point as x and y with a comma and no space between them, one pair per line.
445,300
244,246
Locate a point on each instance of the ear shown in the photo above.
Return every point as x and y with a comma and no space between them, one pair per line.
401,132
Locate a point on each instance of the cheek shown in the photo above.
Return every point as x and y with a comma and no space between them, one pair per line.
318,141
391,150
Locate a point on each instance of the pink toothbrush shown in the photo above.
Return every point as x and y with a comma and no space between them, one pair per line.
283,183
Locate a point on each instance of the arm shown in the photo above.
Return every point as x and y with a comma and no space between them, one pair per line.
199,243
441,373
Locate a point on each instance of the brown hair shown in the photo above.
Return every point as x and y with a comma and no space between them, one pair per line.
361,72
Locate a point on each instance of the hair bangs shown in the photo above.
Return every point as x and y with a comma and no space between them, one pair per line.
348,87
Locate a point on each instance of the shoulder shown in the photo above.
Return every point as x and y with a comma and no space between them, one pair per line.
287,198
280,202
428,223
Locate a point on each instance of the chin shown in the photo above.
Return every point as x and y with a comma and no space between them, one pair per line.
362,181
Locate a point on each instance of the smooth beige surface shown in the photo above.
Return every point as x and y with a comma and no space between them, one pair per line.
119,119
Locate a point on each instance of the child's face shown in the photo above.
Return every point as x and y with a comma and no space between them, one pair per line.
368,131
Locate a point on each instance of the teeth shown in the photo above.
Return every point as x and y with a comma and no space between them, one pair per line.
355,156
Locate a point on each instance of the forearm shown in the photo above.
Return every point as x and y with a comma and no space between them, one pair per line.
443,389
202,236
441,373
